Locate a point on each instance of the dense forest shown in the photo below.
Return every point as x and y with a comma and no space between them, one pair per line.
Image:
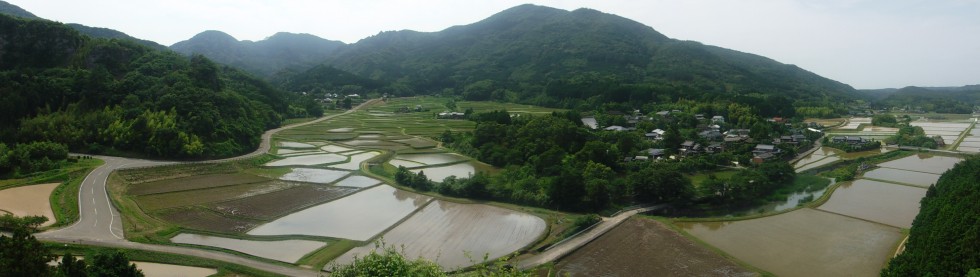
945,236
114,95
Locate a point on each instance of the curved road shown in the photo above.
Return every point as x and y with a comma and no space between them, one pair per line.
100,224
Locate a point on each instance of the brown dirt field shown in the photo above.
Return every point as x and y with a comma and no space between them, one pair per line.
645,247
201,196
272,205
206,220
193,182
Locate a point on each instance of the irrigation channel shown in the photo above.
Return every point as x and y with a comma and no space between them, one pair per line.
100,224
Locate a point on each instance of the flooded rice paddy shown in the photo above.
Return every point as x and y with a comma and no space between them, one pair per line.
437,174
360,216
431,158
295,145
923,163
885,203
288,251
29,200
314,159
314,175
445,231
804,242
919,179
358,182
335,148
355,161
406,164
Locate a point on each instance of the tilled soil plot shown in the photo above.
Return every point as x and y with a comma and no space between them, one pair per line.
193,182
273,205
206,220
645,247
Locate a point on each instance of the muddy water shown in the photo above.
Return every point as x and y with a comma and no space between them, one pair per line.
805,242
431,159
885,203
29,200
309,160
358,182
444,231
437,174
360,216
923,163
920,179
288,251
314,175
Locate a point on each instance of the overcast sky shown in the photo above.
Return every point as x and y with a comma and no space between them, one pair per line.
866,44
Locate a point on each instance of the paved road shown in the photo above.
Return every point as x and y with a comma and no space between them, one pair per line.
566,247
100,224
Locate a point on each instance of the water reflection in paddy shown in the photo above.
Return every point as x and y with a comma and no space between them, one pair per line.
360,216
891,204
920,179
288,251
923,163
437,174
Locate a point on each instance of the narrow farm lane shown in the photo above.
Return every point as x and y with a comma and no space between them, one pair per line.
100,224
566,247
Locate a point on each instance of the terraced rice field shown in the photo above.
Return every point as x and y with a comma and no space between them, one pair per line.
29,201
852,234
355,161
949,131
288,251
154,202
644,247
444,232
804,242
971,142
359,217
207,220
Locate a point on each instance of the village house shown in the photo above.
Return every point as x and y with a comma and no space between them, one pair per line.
656,134
715,147
711,135
737,135
690,148
718,119
617,128
765,148
451,115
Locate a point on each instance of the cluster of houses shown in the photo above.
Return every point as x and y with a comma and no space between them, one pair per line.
331,97
716,139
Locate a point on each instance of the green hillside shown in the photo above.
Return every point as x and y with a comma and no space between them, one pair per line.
578,58
282,51
115,95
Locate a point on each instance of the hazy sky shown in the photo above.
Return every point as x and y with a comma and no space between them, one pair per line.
867,44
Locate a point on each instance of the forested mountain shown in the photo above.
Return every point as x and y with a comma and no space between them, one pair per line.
945,235
96,32
98,94
928,99
265,57
555,57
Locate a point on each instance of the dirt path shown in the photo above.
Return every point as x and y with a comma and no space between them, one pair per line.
567,246
100,224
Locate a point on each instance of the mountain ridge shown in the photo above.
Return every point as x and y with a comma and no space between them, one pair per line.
265,57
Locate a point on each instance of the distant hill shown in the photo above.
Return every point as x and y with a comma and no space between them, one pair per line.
265,57
555,57
963,99
95,32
